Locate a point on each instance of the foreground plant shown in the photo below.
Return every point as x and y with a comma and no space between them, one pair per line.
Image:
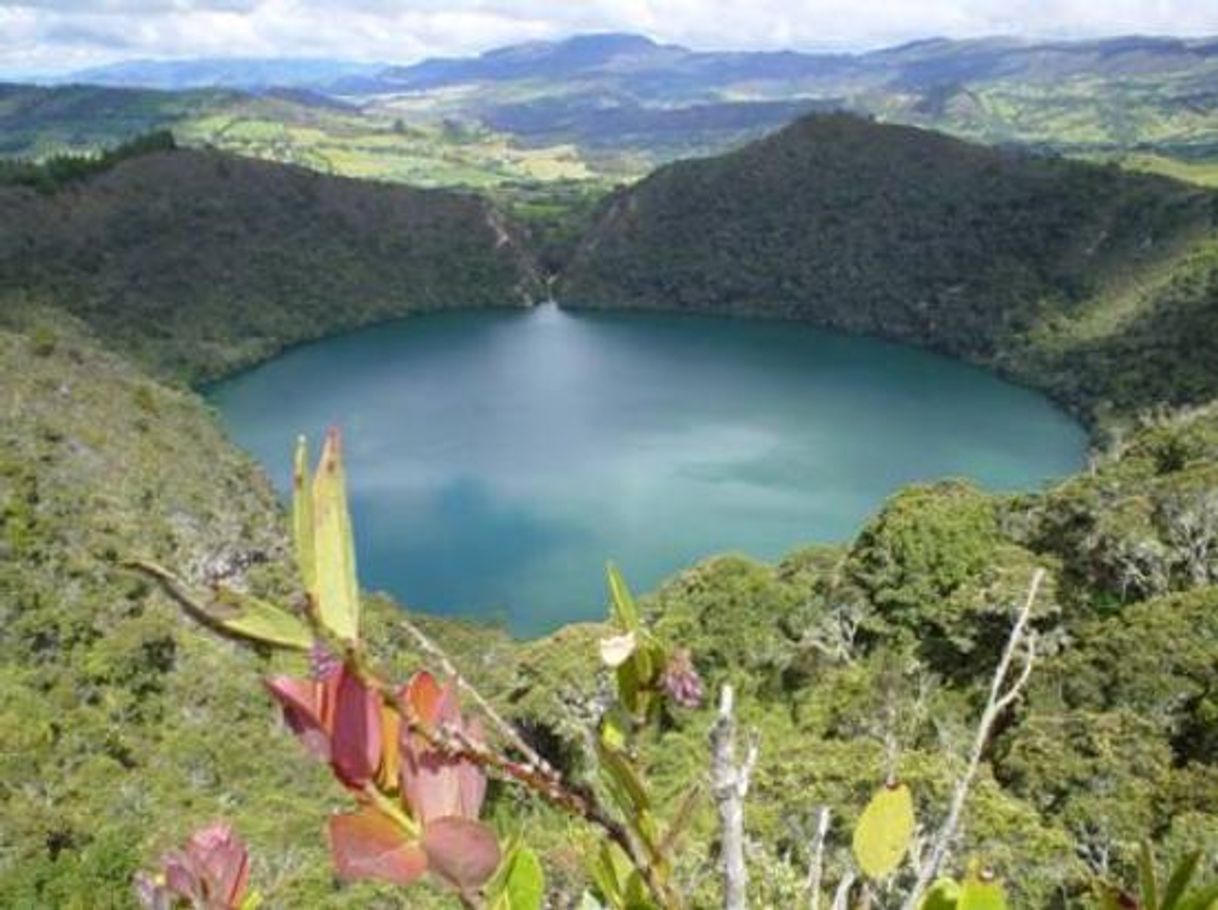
210,872
1178,891
414,765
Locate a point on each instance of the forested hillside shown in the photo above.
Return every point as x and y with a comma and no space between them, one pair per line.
123,727
201,262
1075,277
126,726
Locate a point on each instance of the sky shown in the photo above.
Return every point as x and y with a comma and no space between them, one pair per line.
49,36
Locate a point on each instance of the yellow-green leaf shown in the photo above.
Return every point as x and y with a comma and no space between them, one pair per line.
302,518
258,620
615,726
623,780
1147,876
520,884
943,895
624,610
884,831
337,599
981,892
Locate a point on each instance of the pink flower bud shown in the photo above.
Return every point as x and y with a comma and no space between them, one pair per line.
681,682
211,871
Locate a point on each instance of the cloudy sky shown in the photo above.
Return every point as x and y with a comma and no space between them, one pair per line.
57,35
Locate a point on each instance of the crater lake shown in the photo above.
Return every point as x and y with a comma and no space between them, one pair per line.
498,459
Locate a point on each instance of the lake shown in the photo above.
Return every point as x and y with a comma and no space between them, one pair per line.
498,459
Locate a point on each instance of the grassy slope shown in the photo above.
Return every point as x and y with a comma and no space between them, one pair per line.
1049,268
291,128
200,262
124,727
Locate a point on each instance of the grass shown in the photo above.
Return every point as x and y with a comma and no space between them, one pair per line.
379,147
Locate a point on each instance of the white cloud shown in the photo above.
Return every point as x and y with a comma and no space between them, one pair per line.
48,35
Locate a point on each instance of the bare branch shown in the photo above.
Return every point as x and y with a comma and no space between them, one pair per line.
841,898
729,785
1020,641
835,635
816,865
509,732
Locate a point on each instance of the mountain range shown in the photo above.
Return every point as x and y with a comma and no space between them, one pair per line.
600,109
649,68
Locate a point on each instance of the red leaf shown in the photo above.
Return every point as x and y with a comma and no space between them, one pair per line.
302,711
422,695
472,779
431,781
223,862
368,844
464,853
356,740
436,784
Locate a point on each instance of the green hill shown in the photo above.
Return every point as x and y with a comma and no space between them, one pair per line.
200,262
291,126
1067,275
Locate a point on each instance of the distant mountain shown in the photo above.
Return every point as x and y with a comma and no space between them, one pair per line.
251,73
1089,97
627,103
633,63
1054,270
646,67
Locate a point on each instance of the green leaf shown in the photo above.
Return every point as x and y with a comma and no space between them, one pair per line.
1205,899
521,882
624,611
1147,877
943,895
624,783
615,727
302,518
338,606
981,892
630,692
884,831
260,621
1181,876
608,868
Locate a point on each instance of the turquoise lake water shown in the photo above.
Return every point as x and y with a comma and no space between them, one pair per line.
497,459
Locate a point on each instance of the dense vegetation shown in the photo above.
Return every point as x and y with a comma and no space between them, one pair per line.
199,262
837,653
1075,277
55,172
123,729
